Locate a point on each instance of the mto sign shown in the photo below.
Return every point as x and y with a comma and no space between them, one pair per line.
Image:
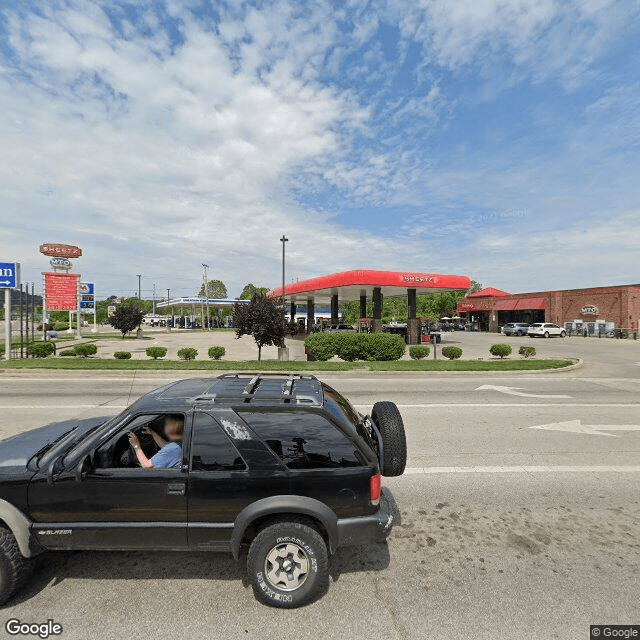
60,263
589,309
60,250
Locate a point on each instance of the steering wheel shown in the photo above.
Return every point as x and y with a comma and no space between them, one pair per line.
147,444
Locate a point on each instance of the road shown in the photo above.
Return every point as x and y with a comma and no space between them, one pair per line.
506,530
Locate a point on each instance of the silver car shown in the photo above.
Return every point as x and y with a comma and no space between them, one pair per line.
516,328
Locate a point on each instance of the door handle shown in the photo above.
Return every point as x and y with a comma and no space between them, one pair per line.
176,489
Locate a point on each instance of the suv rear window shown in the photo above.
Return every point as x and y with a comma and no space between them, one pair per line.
304,439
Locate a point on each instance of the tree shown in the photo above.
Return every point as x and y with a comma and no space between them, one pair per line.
127,317
475,287
215,289
250,289
263,319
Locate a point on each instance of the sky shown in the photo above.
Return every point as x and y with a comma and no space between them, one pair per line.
497,139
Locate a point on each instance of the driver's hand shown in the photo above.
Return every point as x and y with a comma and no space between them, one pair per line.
133,440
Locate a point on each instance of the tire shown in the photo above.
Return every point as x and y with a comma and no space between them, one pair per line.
546,334
287,565
14,567
563,334
394,442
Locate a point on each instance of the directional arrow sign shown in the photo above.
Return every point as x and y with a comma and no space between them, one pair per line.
513,391
9,275
576,426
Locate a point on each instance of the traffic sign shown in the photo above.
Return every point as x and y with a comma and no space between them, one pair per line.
9,275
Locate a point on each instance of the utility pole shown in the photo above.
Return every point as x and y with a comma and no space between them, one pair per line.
206,294
154,299
283,240
139,290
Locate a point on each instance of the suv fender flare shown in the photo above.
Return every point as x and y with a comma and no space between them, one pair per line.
20,527
285,505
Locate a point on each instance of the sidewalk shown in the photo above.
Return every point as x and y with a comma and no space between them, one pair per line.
243,348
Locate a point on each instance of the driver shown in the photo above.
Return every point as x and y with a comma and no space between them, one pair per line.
170,454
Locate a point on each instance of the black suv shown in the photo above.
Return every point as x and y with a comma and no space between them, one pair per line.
280,465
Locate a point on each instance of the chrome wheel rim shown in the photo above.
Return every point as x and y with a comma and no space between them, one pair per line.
286,566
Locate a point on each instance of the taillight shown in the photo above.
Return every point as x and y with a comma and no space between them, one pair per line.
375,487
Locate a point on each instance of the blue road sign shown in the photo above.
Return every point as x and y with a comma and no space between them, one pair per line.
9,275
87,287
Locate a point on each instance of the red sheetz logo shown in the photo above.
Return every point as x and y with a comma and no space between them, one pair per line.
60,250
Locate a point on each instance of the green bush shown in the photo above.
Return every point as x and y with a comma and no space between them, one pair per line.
453,353
501,350
382,346
187,353
419,351
321,345
216,352
122,355
348,346
68,352
60,326
85,350
156,352
527,352
40,349
356,346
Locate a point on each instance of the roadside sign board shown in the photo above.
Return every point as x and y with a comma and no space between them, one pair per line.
87,296
9,275
61,291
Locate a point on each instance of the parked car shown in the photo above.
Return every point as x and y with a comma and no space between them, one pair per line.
279,465
340,328
516,328
546,330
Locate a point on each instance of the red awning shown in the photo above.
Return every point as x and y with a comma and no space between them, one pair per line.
520,304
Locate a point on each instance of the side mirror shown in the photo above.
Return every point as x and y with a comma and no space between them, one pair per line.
83,468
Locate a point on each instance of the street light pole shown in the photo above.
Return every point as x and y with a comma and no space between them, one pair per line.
139,290
206,294
283,240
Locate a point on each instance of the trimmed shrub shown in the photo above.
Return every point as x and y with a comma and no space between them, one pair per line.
527,352
68,352
356,346
85,350
156,352
187,353
348,346
453,353
382,346
216,352
501,350
59,326
41,349
419,351
321,345
122,355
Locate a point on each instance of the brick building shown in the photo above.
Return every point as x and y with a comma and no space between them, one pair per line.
597,310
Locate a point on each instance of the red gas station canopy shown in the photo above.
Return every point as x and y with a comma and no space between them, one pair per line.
350,285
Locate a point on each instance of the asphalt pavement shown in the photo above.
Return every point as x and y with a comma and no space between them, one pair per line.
519,512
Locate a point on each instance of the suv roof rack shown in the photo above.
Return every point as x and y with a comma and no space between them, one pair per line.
264,388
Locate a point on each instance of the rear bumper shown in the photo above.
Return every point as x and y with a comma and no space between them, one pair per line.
365,529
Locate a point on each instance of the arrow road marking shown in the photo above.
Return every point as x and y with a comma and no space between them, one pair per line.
576,426
513,391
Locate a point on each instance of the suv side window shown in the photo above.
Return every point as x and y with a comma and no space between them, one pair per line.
304,440
211,449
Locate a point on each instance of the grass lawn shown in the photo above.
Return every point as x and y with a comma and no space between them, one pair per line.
72,363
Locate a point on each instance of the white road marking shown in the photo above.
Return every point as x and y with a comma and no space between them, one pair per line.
513,391
576,426
523,469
